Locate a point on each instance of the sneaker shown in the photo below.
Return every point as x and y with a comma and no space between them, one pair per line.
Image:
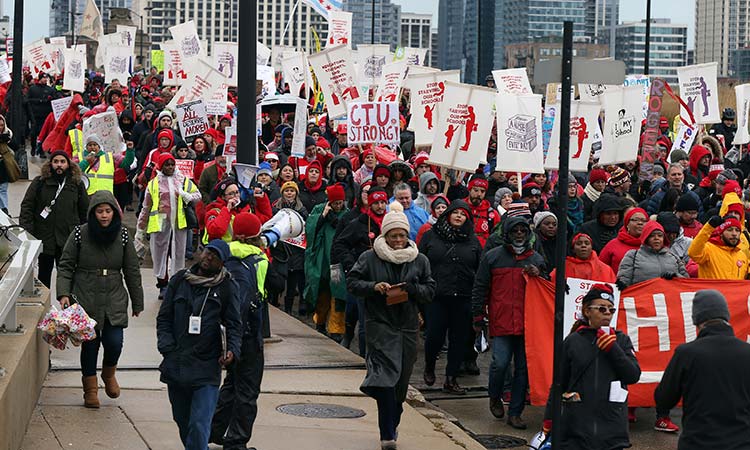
516,422
496,408
666,425
631,415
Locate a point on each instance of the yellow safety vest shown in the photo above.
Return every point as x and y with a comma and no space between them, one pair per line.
76,141
104,178
154,224
242,251
227,236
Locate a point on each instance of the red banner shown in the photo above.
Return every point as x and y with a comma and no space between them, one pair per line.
656,314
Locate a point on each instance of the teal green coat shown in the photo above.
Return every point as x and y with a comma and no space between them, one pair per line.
319,231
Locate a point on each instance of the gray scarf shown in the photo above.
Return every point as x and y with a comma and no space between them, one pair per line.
199,280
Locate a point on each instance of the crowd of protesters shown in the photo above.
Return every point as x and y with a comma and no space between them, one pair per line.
392,243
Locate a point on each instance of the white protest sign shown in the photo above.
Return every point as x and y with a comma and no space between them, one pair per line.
577,289
188,43
336,76
700,90
106,126
185,167
370,62
422,70
742,93
259,120
389,87
216,104
268,78
684,138
645,83
412,55
174,70
300,128
117,63
4,71
75,70
104,42
203,82
245,173
339,29
225,60
277,54
56,47
60,105
295,70
230,141
37,54
622,124
519,133
191,116
592,92
373,122
262,54
127,36
512,81
583,122
462,132
426,92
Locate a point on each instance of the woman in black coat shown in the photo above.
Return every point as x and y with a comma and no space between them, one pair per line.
391,278
454,252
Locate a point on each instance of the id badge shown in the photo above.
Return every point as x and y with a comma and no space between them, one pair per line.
194,326
45,212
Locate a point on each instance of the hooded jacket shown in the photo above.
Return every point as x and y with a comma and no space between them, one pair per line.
424,200
696,154
646,263
615,250
601,234
717,261
351,189
587,269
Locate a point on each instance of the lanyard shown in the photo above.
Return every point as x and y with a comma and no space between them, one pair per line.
204,302
57,194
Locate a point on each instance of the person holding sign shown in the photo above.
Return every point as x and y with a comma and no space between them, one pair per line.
392,277
99,165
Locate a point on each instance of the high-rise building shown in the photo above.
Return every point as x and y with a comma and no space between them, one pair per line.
668,48
451,34
721,26
435,49
275,15
416,31
216,20
479,37
59,23
387,22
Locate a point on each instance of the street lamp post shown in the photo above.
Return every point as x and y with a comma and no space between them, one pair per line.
648,38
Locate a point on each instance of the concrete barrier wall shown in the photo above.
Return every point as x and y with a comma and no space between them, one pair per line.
25,358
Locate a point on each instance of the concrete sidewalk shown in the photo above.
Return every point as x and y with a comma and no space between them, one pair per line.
302,366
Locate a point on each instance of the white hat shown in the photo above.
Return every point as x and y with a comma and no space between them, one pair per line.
395,218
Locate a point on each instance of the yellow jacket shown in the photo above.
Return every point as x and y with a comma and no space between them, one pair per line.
730,199
717,262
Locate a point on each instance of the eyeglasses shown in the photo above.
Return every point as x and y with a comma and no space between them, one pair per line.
603,309
232,194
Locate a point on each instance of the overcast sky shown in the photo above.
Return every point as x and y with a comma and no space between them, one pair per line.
36,20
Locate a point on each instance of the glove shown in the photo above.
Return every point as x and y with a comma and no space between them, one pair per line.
336,273
567,289
715,221
668,275
620,285
605,341
645,188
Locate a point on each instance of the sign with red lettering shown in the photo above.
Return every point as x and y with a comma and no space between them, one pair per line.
185,167
649,150
373,122
583,127
426,94
37,54
335,72
192,118
174,69
339,29
512,81
389,88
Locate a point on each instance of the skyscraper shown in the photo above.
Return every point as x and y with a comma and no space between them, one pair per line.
275,15
387,22
451,34
720,27
216,20
416,31
479,39
668,48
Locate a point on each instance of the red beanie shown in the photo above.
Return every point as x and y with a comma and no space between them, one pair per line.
421,159
162,158
315,165
246,224
322,143
731,186
632,212
736,208
598,175
335,192
479,182
728,223
165,134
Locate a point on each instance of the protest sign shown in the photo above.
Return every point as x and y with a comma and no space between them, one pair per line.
174,70
684,139
104,42
300,128
225,60
37,54
106,126
216,104
645,83
548,122
592,92
4,71
389,87
300,241
295,70
742,93
117,63
56,47
91,25
422,70
185,167
412,55
157,59
655,314
267,76
519,133
187,42
553,93
277,54
336,77
512,81
373,122
464,126
127,36
622,125
203,82
191,116
583,121
426,94
370,62
60,105
699,89
75,70
245,173
649,150
263,54
339,29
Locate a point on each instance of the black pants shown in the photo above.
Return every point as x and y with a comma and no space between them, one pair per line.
389,412
295,281
46,263
451,315
110,338
237,408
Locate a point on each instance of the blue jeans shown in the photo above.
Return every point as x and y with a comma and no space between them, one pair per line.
503,349
110,337
192,410
4,195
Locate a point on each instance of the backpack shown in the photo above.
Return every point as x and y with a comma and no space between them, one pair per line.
256,298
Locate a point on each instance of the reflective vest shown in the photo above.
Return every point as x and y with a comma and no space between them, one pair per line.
154,224
104,178
227,236
76,141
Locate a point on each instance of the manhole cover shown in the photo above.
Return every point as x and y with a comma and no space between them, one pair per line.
321,411
494,441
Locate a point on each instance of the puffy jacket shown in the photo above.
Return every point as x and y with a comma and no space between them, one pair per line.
717,261
595,423
423,200
696,153
615,250
645,263
500,286
587,269
655,201
219,218
351,189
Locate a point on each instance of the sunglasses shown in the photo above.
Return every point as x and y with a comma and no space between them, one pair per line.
604,309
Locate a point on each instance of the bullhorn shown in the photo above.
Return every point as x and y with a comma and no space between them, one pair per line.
287,223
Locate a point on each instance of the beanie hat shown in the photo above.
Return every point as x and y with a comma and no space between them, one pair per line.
599,290
164,113
162,158
725,175
629,215
421,158
310,141
322,143
335,192
730,222
367,151
677,156
316,129
440,199
480,182
598,175
221,248
541,215
222,186
341,129
60,153
687,202
94,138
375,195
290,185
394,218
381,170
736,208
272,156
519,208
668,221
246,224
165,133
731,186
531,189
619,177
281,127
658,169
709,304
315,165
500,193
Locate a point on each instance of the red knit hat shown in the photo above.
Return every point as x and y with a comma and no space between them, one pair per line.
335,192
381,170
479,182
323,143
731,186
598,175
728,223
246,224
315,165
736,208
421,159
166,134
162,158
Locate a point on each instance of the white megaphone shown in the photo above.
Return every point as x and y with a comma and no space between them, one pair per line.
287,223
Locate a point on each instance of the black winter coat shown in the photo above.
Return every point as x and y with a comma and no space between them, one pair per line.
353,240
595,423
351,189
710,375
310,198
38,99
599,233
193,359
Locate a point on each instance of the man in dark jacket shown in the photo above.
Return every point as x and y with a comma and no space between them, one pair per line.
499,293
38,100
710,375
341,172
607,221
198,300
675,180
357,237
55,202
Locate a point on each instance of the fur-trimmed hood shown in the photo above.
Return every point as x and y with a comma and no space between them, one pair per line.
74,174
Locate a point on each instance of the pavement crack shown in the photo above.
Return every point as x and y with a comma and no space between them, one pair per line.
41,413
143,439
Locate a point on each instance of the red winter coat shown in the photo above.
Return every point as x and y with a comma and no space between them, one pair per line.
218,217
485,219
615,250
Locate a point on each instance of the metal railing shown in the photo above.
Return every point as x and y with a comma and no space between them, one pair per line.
18,279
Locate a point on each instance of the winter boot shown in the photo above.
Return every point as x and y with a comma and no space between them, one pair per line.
111,387
90,394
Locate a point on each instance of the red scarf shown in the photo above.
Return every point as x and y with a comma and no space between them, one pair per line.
375,218
316,187
626,238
